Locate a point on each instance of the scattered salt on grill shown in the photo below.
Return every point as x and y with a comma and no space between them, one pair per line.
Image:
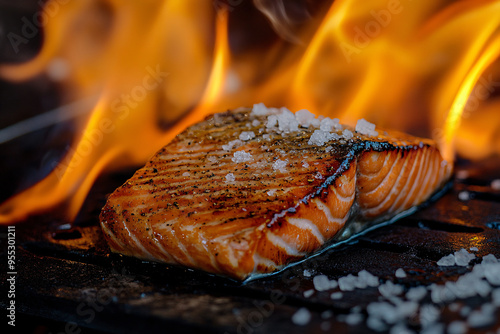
280,165
462,257
233,143
301,317
490,258
347,134
400,273
255,122
336,295
483,317
321,283
416,294
241,156
495,297
230,177
247,135
428,314
389,289
354,319
368,278
448,260
495,184
366,128
474,249
457,327
186,174
307,273
464,195
347,283
308,293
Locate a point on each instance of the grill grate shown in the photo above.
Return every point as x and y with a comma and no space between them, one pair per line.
67,274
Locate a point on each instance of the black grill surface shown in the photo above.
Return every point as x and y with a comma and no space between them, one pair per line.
67,275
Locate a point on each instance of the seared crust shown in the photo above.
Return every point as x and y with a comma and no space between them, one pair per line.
183,208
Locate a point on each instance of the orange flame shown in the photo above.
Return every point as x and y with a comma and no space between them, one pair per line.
429,68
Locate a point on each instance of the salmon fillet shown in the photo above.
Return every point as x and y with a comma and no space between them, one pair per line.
248,192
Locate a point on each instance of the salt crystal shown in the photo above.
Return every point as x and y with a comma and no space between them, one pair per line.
465,311
347,134
389,289
429,314
490,258
233,143
318,176
400,273
271,192
308,293
305,165
417,293
376,324
247,135
481,318
307,273
347,283
495,297
354,319
320,137
434,328
400,329
301,317
462,257
492,273
366,128
457,327
336,295
255,122
474,249
241,156
495,184
328,149
448,260
368,278
306,118
230,177
272,121
328,124
266,137
287,121
321,283
260,109
333,284
464,195
212,159
280,165
186,174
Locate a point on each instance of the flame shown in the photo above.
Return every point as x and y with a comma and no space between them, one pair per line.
155,67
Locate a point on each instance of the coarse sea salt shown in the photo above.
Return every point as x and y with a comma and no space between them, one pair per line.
400,273
306,118
320,137
328,124
280,165
271,192
230,177
321,283
255,122
287,121
232,144
301,317
366,128
347,134
241,156
247,135
308,293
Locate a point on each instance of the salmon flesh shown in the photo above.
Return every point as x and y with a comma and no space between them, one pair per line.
248,192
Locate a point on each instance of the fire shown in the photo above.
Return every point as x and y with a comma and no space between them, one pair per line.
154,67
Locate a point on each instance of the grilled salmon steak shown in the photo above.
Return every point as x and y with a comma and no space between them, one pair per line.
247,192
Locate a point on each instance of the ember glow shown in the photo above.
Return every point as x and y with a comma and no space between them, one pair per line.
429,68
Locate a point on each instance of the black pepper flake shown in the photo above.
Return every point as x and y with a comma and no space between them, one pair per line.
155,170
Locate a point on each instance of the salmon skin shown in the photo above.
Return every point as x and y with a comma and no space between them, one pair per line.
247,192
